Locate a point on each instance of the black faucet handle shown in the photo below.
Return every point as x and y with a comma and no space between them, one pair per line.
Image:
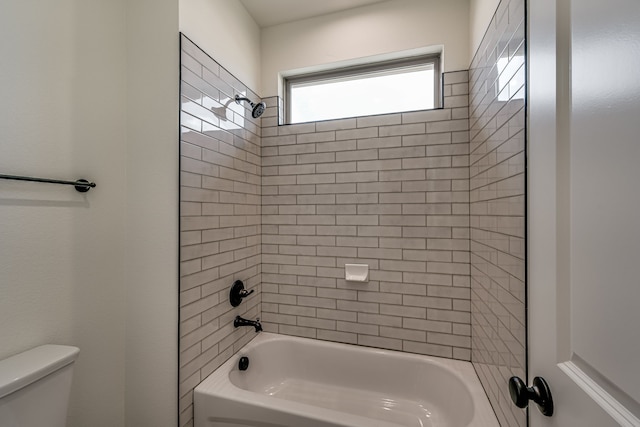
238,293
245,293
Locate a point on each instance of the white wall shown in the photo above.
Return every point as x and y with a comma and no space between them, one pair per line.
152,214
61,253
480,14
90,89
225,30
377,29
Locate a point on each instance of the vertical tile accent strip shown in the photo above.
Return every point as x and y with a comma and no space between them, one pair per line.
220,230
391,191
497,203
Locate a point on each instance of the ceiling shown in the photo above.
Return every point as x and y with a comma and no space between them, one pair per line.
274,12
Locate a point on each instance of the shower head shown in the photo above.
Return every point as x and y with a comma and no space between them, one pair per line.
258,108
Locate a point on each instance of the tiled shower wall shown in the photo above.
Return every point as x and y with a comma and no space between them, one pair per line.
432,200
219,218
390,191
497,198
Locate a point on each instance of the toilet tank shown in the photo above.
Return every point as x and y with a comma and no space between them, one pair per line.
35,386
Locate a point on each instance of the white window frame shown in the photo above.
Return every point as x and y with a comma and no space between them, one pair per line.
340,73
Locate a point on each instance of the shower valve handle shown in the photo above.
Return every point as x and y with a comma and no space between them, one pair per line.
238,293
244,293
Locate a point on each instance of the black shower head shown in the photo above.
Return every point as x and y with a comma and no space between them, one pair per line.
258,108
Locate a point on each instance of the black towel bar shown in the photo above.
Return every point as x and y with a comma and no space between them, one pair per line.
81,185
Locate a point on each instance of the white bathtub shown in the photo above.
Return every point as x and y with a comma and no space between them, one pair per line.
298,382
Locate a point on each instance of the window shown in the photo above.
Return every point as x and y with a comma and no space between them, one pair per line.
406,85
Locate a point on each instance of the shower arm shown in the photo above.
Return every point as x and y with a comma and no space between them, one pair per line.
241,98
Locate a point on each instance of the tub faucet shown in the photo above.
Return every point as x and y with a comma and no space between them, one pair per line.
239,321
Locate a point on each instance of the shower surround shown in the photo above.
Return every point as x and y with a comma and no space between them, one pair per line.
497,196
220,231
432,201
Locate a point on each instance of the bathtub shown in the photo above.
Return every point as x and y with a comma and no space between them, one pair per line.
299,382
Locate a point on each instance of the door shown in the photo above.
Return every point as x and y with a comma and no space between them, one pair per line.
584,209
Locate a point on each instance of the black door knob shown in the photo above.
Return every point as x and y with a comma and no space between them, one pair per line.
539,392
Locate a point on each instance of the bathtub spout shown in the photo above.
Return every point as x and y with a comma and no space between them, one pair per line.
239,321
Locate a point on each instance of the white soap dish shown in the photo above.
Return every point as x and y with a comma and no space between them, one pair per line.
356,272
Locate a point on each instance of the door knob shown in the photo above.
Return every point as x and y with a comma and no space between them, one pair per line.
539,392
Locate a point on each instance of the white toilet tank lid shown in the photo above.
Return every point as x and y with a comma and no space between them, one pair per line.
24,368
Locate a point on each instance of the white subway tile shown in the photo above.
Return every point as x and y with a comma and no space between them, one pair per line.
357,133
372,341
380,120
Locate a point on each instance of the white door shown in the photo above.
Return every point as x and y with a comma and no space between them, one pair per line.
584,210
